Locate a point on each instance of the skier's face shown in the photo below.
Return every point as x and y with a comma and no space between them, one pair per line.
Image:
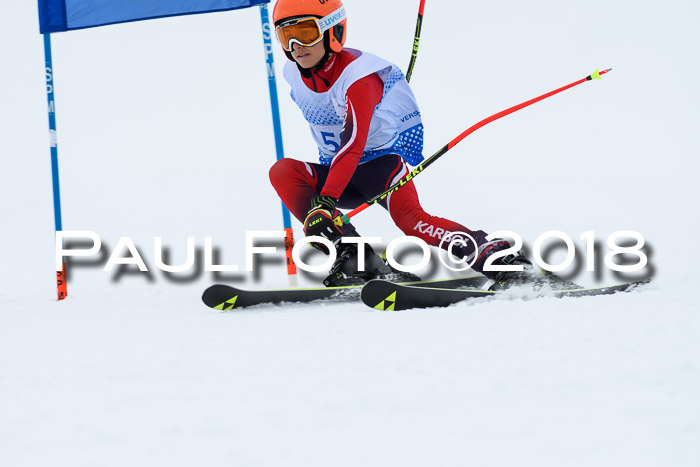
308,57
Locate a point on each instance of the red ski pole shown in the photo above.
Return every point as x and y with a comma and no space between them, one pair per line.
422,166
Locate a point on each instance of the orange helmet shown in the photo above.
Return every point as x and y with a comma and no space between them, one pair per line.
321,9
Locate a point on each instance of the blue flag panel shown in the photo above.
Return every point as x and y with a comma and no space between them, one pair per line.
66,15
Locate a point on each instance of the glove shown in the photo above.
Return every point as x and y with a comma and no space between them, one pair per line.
319,221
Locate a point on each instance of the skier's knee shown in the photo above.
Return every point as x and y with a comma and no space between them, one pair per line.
281,170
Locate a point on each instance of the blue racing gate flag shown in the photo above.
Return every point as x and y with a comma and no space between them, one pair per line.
67,15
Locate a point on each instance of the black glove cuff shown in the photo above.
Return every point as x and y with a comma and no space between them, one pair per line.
323,202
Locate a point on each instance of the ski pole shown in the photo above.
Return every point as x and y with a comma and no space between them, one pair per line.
416,40
345,219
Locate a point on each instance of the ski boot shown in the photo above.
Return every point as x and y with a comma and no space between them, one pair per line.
530,276
345,268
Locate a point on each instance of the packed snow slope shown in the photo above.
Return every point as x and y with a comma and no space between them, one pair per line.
164,131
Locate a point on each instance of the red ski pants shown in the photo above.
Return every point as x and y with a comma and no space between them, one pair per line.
298,182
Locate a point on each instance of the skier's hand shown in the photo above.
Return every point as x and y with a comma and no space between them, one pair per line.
319,221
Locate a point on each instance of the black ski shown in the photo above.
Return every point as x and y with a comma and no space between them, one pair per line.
224,297
384,295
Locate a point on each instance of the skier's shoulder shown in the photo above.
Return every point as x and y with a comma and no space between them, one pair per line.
346,57
356,65
364,59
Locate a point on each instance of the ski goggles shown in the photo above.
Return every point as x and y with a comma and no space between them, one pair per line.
308,30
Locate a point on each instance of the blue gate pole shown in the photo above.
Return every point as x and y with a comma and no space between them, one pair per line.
274,104
60,274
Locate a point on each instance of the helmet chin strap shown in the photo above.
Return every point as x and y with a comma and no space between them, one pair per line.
306,72
323,61
327,47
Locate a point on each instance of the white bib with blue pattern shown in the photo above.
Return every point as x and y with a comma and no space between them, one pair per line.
395,128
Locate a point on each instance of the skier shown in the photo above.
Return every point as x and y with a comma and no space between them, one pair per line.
367,125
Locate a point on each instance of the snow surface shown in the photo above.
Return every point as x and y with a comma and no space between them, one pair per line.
164,130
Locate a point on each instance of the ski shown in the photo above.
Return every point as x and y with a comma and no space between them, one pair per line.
384,295
224,297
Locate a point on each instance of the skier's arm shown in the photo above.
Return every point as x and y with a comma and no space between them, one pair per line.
361,99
